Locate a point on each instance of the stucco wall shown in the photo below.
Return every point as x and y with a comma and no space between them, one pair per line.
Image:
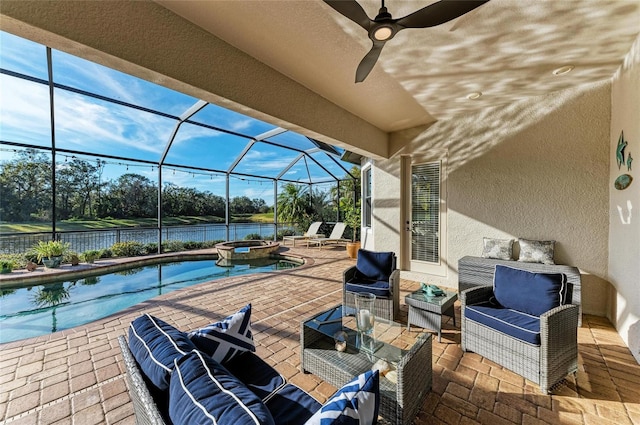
538,169
624,226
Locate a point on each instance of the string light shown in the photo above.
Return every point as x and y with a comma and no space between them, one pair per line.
102,163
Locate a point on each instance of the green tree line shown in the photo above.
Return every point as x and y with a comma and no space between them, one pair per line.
81,192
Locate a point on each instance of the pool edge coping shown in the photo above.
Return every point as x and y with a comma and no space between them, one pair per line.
42,275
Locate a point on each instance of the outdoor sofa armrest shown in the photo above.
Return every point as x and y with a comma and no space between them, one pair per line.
475,295
559,327
144,405
394,282
348,274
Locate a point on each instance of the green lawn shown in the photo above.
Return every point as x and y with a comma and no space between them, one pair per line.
71,225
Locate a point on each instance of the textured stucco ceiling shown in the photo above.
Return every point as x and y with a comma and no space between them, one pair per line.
506,49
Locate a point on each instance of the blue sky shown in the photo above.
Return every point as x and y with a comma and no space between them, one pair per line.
87,124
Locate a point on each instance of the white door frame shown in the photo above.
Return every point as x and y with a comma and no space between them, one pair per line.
438,268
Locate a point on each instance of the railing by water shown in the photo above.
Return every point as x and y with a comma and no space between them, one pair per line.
83,240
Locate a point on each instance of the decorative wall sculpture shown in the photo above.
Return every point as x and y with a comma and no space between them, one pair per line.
624,180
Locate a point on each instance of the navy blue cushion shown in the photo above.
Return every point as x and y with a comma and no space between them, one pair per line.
373,265
357,402
227,338
202,391
256,374
522,326
155,344
529,292
291,405
378,288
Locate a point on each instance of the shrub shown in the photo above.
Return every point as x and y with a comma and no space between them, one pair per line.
172,246
151,248
286,232
106,253
193,245
253,237
127,249
6,266
19,261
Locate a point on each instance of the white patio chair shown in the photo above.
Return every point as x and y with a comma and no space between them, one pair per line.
312,232
335,237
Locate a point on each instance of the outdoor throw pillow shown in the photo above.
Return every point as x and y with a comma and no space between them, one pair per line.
536,251
226,339
528,292
203,392
357,402
155,344
499,249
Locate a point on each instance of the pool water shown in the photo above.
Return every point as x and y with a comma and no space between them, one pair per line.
42,309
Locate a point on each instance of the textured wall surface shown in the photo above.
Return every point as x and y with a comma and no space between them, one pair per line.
537,169
624,227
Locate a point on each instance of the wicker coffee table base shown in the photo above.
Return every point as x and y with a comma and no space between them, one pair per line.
399,402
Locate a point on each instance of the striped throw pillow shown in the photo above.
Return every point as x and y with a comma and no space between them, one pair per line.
357,402
226,339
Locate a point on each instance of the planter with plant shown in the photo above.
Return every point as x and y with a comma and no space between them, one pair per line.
352,219
51,253
90,256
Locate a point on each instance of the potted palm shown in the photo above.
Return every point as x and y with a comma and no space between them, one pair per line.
352,219
51,253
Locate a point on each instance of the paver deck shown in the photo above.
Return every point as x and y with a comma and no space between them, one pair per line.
77,377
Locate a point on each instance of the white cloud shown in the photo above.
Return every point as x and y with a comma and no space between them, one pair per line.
24,111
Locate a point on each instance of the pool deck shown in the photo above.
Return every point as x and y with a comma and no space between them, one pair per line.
77,377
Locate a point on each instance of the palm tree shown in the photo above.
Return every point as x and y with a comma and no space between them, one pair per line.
294,205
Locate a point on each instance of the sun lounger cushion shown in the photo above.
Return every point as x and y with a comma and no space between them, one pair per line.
203,391
256,374
529,292
226,339
356,402
155,344
292,406
522,326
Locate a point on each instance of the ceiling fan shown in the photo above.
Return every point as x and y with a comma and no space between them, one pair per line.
383,27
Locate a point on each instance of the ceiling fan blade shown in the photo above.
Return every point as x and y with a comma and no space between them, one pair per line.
352,10
367,63
439,13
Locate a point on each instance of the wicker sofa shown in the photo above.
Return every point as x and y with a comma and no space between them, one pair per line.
176,378
374,272
539,345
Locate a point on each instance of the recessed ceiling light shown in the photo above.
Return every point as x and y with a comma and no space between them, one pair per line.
563,70
475,95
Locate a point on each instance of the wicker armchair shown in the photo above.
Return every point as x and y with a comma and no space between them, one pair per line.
374,272
545,361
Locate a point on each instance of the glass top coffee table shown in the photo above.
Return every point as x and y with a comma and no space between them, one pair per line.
335,351
426,311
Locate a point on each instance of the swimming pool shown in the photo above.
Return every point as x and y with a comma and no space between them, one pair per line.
42,309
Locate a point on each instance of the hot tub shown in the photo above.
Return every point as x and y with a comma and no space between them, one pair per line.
246,250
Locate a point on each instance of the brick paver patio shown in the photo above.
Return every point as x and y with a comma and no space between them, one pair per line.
76,376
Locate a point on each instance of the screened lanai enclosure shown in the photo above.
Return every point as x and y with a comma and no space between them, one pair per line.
92,156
